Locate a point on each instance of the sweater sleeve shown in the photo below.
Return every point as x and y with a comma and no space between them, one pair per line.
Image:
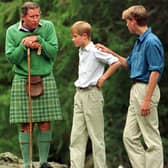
49,42
14,50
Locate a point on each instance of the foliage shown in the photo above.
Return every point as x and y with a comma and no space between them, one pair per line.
109,29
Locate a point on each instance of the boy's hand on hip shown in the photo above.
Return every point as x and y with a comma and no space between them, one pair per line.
100,82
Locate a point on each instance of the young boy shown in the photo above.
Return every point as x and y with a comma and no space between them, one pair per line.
88,118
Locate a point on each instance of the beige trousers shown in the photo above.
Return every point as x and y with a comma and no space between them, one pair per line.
140,129
88,121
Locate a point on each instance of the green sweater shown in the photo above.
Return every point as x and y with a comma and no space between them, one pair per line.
16,52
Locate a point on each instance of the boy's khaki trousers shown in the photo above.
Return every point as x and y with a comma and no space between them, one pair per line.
138,126
88,121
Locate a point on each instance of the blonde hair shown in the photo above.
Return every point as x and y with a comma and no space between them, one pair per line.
138,13
81,27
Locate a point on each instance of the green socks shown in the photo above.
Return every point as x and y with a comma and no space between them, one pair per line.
24,146
44,140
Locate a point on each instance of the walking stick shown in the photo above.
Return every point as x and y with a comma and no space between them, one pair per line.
29,107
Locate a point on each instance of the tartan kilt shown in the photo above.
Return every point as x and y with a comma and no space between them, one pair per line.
44,108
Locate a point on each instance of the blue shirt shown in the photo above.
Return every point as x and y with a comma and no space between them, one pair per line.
147,56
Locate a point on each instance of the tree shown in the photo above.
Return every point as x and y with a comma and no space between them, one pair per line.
109,29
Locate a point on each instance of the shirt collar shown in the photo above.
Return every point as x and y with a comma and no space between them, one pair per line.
87,48
143,36
20,27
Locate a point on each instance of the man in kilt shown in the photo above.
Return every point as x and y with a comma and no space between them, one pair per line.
37,35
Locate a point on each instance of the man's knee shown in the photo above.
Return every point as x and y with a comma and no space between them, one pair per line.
26,127
44,126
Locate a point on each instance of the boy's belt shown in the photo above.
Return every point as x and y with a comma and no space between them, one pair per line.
86,88
138,81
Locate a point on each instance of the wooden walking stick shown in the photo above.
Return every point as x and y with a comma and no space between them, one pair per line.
29,107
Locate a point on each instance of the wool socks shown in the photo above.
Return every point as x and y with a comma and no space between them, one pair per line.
24,146
44,141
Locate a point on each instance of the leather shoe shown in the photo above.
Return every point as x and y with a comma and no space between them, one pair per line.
46,165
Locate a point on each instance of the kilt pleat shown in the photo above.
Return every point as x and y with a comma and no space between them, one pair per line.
44,108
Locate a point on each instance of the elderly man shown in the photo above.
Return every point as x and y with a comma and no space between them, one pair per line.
39,36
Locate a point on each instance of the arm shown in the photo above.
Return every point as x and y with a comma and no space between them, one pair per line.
112,68
107,50
14,49
145,106
49,43
155,59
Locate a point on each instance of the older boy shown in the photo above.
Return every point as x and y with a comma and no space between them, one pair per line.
88,118
146,63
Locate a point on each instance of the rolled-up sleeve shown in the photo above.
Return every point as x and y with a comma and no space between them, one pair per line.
155,56
105,57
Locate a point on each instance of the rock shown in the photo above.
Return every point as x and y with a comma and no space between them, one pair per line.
8,157
8,160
